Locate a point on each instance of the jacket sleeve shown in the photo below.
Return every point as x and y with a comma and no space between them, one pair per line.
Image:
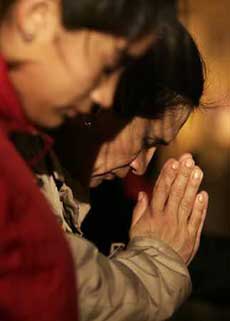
147,281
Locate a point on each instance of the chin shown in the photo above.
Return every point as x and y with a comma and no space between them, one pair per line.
95,182
51,123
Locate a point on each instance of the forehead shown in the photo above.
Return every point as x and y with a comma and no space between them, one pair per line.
165,128
114,49
168,126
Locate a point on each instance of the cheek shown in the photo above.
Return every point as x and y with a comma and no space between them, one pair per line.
100,165
73,76
86,80
103,165
49,86
85,72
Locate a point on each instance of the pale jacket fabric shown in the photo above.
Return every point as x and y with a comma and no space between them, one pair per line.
145,282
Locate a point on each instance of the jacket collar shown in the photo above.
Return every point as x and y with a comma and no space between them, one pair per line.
13,121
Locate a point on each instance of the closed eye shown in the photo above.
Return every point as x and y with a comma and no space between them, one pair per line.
149,142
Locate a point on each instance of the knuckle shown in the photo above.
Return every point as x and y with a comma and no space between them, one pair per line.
176,198
167,185
168,163
181,181
177,191
186,173
164,184
168,176
186,204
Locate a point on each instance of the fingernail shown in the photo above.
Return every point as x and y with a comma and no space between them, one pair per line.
175,165
197,174
189,163
201,198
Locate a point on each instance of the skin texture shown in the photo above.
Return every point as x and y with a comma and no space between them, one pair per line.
133,148
176,213
58,73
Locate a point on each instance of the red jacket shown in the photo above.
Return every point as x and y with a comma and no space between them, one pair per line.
36,269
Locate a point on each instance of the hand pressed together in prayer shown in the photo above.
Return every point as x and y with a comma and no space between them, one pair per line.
176,212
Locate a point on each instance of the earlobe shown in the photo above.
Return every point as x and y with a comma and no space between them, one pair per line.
36,18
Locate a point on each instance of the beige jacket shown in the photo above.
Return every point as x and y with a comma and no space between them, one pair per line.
145,282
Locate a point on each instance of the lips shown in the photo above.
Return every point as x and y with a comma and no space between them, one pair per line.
69,112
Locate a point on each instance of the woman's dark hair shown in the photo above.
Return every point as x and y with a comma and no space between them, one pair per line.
128,18
170,75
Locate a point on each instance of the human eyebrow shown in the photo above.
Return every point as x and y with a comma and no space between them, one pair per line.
160,141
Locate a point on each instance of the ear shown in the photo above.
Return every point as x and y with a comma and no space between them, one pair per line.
37,20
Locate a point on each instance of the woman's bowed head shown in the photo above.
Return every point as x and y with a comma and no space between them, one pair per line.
151,106
64,56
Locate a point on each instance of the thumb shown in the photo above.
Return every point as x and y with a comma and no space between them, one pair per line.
140,207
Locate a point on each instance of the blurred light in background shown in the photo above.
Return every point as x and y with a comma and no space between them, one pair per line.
207,133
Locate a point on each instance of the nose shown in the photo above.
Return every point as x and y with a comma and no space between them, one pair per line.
103,95
140,163
122,172
84,107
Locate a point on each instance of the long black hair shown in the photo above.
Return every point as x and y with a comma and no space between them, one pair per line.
170,75
162,80
127,18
